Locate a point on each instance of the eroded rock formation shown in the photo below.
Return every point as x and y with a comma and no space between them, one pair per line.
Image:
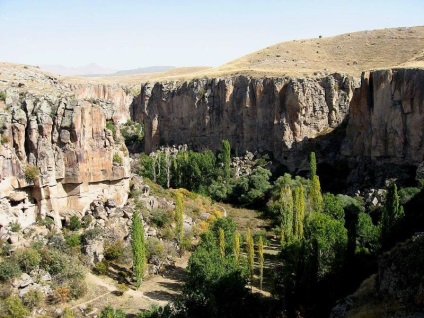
74,158
387,117
274,115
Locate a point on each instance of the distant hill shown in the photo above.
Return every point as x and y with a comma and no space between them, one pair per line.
144,70
90,69
349,53
94,70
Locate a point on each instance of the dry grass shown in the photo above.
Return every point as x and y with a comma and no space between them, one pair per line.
349,53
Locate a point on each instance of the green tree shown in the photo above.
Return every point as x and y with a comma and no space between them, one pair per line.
222,242
15,308
229,227
286,203
299,211
215,284
326,242
316,195
179,220
237,247
226,159
250,254
313,165
138,248
368,235
261,261
333,207
393,210
110,312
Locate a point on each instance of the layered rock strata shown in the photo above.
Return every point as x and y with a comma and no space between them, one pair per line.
57,156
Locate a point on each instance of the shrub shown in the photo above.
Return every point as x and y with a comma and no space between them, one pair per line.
15,308
154,247
31,173
114,251
101,268
91,234
132,132
3,95
28,259
9,269
78,288
68,313
48,222
117,159
5,291
86,221
111,126
62,294
74,223
15,226
32,298
5,248
109,312
73,240
4,139
60,264
162,218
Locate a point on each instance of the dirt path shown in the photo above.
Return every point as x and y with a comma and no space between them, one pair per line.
154,290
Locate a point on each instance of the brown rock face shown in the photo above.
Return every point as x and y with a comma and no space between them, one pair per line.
274,115
114,94
66,139
387,117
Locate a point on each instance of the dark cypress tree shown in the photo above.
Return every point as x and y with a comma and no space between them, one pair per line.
393,210
313,165
226,159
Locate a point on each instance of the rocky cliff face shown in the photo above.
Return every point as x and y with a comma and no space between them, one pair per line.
387,117
382,116
275,115
115,95
56,153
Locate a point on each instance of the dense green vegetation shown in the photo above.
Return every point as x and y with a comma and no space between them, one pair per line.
329,243
208,174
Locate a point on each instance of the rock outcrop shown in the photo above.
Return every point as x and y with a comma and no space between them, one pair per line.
375,119
387,116
118,97
57,155
274,115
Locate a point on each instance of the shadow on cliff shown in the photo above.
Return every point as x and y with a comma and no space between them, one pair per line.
339,173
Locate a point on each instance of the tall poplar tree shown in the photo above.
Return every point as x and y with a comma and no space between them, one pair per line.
298,211
179,207
221,242
317,202
138,248
261,261
313,165
250,254
286,201
237,247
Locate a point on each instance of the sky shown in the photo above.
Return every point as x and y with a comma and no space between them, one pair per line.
127,34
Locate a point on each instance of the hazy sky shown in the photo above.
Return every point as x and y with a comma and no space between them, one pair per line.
127,34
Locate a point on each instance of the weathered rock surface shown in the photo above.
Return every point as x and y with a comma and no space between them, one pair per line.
273,115
66,140
387,116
